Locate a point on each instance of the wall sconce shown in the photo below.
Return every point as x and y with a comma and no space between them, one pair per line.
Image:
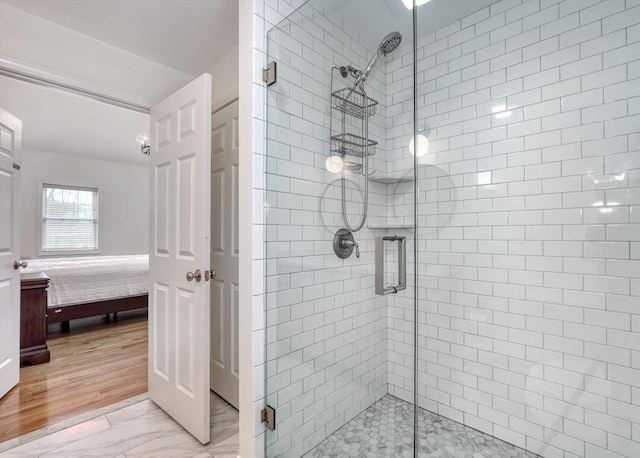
145,147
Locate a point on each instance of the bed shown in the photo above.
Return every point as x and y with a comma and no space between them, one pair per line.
95,285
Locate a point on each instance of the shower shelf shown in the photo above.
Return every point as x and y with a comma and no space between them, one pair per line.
390,179
353,104
390,226
351,144
355,168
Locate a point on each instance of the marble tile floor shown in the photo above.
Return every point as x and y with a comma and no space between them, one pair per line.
386,430
132,430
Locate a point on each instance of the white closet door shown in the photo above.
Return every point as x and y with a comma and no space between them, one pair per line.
10,148
179,250
224,254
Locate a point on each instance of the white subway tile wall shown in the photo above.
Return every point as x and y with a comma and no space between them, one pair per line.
528,228
326,329
529,275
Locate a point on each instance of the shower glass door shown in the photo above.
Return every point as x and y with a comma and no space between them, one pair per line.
528,218
339,230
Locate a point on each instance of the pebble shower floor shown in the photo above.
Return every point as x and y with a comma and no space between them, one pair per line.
385,429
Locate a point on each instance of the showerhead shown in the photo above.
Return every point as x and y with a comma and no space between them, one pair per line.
388,44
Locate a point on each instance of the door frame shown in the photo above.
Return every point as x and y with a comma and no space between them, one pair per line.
251,329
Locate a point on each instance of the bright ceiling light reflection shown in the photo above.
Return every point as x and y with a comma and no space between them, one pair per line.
484,178
334,164
423,146
499,111
409,3
604,179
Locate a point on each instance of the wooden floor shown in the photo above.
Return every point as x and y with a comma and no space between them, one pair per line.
94,365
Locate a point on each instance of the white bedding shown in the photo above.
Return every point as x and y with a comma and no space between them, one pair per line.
94,278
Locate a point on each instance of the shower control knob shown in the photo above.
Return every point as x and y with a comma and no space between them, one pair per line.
351,243
343,244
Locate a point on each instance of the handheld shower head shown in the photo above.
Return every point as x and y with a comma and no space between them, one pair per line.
390,43
387,45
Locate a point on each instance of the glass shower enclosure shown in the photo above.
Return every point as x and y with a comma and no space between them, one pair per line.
339,226
452,230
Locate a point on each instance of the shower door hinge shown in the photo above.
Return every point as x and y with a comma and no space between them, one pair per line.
268,417
269,73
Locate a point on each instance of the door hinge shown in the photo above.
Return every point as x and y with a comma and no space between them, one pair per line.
16,166
269,73
268,417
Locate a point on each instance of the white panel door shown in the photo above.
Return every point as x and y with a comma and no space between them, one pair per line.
10,146
179,248
224,254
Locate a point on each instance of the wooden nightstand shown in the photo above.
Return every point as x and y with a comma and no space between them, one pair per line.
33,319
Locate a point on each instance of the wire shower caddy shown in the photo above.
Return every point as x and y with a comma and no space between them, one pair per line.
351,103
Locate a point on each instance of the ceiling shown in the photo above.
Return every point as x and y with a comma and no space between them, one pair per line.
59,122
188,35
373,19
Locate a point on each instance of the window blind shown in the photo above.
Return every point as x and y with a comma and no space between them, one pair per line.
69,218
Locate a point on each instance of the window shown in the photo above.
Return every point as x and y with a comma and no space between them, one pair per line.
69,219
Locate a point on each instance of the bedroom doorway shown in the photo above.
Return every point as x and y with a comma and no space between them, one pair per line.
224,312
118,80
95,365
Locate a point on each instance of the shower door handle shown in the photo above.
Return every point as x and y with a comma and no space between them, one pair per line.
402,264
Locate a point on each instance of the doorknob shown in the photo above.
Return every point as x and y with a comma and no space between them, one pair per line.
209,274
197,275
18,264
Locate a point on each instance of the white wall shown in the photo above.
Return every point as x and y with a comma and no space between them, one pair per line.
225,78
124,199
44,44
64,123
